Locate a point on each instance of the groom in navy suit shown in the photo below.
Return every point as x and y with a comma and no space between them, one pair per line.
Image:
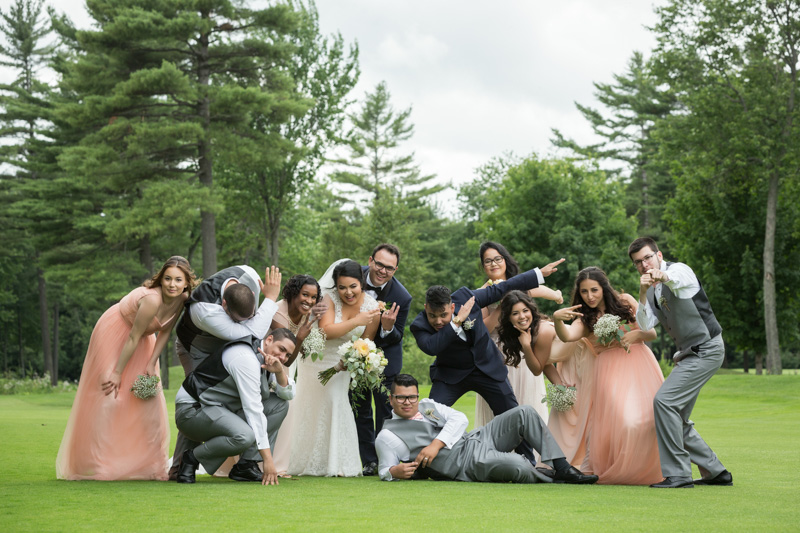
383,286
451,329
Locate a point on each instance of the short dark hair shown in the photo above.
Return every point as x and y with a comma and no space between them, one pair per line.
240,300
512,267
437,296
281,334
404,380
296,284
348,269
391,248
640,243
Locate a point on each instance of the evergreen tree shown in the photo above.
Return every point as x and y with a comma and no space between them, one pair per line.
377,131
163,87
633,105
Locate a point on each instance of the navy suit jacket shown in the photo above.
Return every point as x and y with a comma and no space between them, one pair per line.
455,359
392,344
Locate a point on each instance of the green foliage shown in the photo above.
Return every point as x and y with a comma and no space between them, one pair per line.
547,209
33,385
733,151
634,104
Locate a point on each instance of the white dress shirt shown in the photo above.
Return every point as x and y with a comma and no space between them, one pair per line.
392,450
245,369
682,282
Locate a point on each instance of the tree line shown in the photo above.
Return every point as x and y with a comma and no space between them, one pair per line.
230,134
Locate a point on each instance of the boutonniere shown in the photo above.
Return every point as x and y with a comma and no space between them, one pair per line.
662,302
429,412
467,324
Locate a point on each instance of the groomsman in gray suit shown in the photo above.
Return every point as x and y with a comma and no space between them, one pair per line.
671,294
227,404
425,438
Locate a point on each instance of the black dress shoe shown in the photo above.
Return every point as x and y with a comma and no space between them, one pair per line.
724,478
370,469
188,467
574,476
549,472
674,483
246,471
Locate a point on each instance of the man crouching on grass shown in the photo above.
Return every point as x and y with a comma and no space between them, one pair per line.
426,439
226,404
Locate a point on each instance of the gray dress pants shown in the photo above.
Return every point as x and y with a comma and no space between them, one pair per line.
679,444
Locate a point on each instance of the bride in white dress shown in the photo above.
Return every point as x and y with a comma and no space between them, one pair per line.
324,440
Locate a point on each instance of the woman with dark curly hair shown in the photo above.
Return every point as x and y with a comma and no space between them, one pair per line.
298,311
622,446
111,434
529,388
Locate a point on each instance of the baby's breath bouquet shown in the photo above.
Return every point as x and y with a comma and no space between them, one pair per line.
607,329
365,364
314,344
145,387
560,397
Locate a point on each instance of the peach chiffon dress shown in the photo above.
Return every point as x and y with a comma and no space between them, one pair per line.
116,439
610,431
622,435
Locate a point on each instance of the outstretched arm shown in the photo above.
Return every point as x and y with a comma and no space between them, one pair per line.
148,307
574,331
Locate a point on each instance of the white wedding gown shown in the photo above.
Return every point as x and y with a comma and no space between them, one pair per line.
324,440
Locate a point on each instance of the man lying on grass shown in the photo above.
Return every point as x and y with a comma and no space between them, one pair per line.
426,439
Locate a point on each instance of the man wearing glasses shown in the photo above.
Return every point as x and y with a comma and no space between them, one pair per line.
384,287
671,294
427,439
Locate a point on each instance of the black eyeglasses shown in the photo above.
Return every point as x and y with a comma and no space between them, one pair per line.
413,398
497,260
381,266
639,262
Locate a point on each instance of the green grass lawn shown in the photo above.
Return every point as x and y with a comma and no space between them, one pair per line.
752,422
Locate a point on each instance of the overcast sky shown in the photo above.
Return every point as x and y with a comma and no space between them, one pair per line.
482,77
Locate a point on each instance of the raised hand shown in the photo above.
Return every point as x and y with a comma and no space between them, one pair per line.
551,267
271,363
271,287
567,313
465,310
318,310
365,318
389,317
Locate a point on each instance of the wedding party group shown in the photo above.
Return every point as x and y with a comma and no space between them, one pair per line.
287,387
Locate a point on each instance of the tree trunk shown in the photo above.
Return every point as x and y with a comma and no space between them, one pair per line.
759,364
56,319
44,324
746,362
207,218
19,338
770,305
146,254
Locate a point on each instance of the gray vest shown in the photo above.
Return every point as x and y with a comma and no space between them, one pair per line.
416,434
689,321
211,384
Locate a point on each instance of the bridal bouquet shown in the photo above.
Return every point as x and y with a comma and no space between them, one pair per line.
314,344
607,329
145,387
559,397
364,362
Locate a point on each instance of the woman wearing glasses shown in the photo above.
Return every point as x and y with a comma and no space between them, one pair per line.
622,437
529,388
